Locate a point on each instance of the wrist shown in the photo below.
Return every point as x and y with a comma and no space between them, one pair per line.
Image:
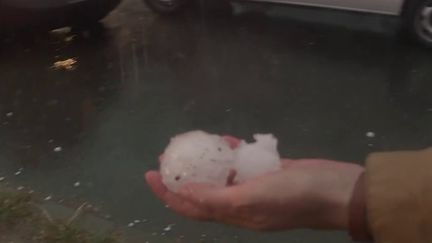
358,221
341,216
335,196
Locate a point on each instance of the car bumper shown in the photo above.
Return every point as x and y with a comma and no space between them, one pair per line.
13,15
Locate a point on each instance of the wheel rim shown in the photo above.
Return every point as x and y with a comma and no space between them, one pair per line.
424,22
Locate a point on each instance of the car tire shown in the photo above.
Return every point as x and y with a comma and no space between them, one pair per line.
166,7
417,21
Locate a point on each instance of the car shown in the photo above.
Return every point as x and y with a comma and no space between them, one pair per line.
16,14
415,15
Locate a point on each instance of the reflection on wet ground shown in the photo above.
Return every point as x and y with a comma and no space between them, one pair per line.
90,133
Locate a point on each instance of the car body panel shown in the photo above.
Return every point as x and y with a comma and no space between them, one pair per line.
21,14
388,7
41,4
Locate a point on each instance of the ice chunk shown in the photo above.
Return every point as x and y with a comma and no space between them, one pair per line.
199,157
196,157
258,158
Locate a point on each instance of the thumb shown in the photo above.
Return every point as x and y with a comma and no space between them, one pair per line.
287,162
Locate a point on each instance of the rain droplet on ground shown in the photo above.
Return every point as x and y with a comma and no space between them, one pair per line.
58,149
18,172
370,134
168,228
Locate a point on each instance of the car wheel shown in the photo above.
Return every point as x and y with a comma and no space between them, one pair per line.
417,17
166,7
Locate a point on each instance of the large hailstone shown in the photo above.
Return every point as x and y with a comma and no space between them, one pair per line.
196,157
258,158
199,157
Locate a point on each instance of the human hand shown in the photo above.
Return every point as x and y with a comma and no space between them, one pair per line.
307,193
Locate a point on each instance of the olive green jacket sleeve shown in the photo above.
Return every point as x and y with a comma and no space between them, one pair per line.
399,196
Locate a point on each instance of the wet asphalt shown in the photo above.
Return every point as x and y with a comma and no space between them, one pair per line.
318,80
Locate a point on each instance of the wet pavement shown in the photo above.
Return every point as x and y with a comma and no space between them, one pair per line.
319,80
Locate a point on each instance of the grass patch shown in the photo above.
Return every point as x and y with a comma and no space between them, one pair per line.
18,212
14,208
60,232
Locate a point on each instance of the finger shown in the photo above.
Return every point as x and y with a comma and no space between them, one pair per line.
232,141
161,157
174,202
154,180
210,197
186,208
224,204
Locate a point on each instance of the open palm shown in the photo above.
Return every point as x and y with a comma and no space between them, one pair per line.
308,193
